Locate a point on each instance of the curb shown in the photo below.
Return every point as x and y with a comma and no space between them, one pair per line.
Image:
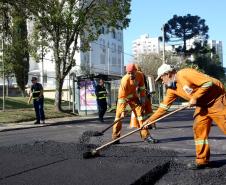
52,124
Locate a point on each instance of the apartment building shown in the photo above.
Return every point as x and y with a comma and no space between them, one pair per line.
145,45
219,48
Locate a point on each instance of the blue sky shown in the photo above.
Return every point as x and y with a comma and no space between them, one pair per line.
148,16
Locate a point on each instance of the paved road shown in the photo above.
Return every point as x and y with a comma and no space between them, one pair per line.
53,155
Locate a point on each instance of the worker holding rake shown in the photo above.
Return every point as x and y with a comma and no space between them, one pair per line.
147,106
131,83
204,92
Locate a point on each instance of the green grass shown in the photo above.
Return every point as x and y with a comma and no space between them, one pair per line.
17,110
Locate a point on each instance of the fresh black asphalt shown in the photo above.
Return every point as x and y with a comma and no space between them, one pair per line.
53,155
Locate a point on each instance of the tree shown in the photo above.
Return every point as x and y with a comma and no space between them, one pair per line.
183,28
206,60
16,45
67,22
150,63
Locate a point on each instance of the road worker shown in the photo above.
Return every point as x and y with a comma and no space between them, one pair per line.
132,81
101,94
36,94
147,107
204,92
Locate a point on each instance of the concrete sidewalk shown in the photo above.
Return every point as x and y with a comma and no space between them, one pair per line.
59,121
50,122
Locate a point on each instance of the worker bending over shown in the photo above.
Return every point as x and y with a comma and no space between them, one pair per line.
130,82
147,106
204,92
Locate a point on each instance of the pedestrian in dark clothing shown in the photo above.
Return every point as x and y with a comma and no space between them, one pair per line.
101,95
36,93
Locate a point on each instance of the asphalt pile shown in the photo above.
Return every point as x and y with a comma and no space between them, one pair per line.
41,162
87,135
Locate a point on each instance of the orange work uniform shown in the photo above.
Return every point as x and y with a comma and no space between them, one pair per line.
128,95
147,107
211,106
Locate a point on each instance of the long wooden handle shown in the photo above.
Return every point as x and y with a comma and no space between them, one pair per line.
116,121
138,129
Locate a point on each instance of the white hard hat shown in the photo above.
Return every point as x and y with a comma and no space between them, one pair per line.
164,68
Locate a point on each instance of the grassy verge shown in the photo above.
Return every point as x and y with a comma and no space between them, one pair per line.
17,110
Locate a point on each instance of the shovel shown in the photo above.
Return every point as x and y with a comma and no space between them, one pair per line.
95,152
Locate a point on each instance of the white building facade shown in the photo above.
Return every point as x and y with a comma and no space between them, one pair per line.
105,55
218,47
145,45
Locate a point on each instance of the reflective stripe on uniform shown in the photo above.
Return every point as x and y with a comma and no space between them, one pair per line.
102,92
164,106
121,100
140,118
142,88
99,98
130,96
135,83
207,84
102,95
35,95
201,142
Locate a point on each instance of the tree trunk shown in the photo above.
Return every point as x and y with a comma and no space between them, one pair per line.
58,95
184,46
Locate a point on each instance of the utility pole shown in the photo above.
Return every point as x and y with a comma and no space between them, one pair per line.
90,59
163,43
163,54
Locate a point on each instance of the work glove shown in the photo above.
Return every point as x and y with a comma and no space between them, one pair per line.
192,102
122,114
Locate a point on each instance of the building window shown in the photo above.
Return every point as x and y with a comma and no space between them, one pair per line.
113,34
102,45
114,61
102,59
113,48
119,60
102,30
119,50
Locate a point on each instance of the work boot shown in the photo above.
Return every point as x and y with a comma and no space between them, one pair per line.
37,122
116,142
150,139
195,166
154,127
101,120
42,121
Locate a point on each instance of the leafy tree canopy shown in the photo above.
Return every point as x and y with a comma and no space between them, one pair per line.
70,25
182,28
